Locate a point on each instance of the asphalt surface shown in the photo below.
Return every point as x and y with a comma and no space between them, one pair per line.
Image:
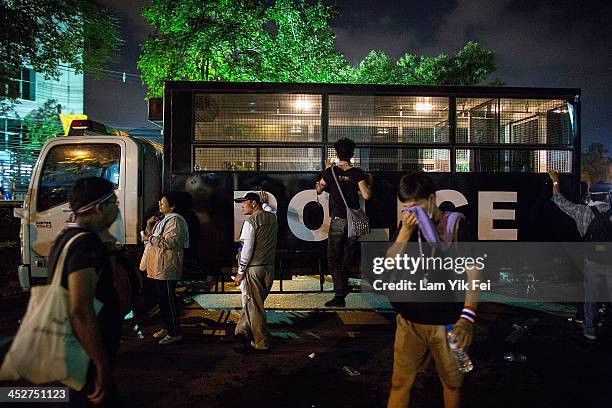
305,367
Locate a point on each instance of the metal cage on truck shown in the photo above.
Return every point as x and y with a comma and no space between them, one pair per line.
487,148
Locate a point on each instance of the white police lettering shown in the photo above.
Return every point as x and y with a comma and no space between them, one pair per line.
452,196
486,214
295,216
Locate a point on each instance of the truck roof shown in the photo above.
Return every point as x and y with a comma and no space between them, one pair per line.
422,90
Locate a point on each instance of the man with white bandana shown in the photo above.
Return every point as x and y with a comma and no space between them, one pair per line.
87,274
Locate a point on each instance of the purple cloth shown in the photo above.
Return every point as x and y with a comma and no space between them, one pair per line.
441,237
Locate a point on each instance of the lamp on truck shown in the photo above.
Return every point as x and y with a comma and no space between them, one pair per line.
78,127
81,125
67,120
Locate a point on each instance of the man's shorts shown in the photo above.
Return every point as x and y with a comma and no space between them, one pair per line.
416,344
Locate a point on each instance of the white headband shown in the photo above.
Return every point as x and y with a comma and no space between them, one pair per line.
87,207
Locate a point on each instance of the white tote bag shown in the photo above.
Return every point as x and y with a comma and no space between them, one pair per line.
45,348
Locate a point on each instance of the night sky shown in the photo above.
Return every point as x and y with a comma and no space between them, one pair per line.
538,43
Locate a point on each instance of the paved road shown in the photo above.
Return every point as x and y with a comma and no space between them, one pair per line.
562,368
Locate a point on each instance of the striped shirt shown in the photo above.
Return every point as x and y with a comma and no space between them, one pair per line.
580,213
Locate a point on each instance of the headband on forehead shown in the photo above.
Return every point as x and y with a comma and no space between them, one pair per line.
87,207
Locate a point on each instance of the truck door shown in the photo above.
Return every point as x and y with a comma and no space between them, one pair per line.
63,164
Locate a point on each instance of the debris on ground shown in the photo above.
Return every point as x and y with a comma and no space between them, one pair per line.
521,329
351,371
214,332
316,336
515,358
138,332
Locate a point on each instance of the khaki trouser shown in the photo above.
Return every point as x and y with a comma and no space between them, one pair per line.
415,345
252,322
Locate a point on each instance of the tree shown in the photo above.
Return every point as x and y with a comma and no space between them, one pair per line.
46,34
239,40
468,67
42,124
280,41
377,68
203,41
299,45
596,163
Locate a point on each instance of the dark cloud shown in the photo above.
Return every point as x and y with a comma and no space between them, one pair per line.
537,43
393,43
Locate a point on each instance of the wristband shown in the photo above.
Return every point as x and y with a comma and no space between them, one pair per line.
468,314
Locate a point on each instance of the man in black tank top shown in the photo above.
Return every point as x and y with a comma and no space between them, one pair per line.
342,252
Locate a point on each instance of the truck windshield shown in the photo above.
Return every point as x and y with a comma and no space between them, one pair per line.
67,163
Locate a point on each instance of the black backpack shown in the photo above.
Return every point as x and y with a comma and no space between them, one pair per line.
600,230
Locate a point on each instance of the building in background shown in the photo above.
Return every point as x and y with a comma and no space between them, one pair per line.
16,159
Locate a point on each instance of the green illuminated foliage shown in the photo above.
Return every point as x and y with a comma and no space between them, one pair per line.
42,124
377,68
46,34
199,40
299,45
468,67
239,40
280,41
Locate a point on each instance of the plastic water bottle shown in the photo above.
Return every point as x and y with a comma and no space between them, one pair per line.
463,360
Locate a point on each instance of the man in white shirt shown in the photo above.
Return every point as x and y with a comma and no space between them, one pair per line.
255,270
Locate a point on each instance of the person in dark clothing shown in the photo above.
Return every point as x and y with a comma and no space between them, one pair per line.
421,325
87,275
597,274
342,251
585,198
184,207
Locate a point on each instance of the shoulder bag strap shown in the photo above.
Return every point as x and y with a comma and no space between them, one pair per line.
59,265
339,188
160,225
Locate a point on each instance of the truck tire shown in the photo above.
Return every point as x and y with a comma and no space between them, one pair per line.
126,285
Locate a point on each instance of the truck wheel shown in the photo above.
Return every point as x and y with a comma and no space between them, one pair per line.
126,285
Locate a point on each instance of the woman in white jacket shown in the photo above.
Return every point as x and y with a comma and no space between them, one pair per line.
165,239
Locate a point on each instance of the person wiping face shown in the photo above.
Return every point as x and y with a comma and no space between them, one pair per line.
421,214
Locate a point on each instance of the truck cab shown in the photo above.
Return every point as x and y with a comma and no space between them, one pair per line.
90,149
